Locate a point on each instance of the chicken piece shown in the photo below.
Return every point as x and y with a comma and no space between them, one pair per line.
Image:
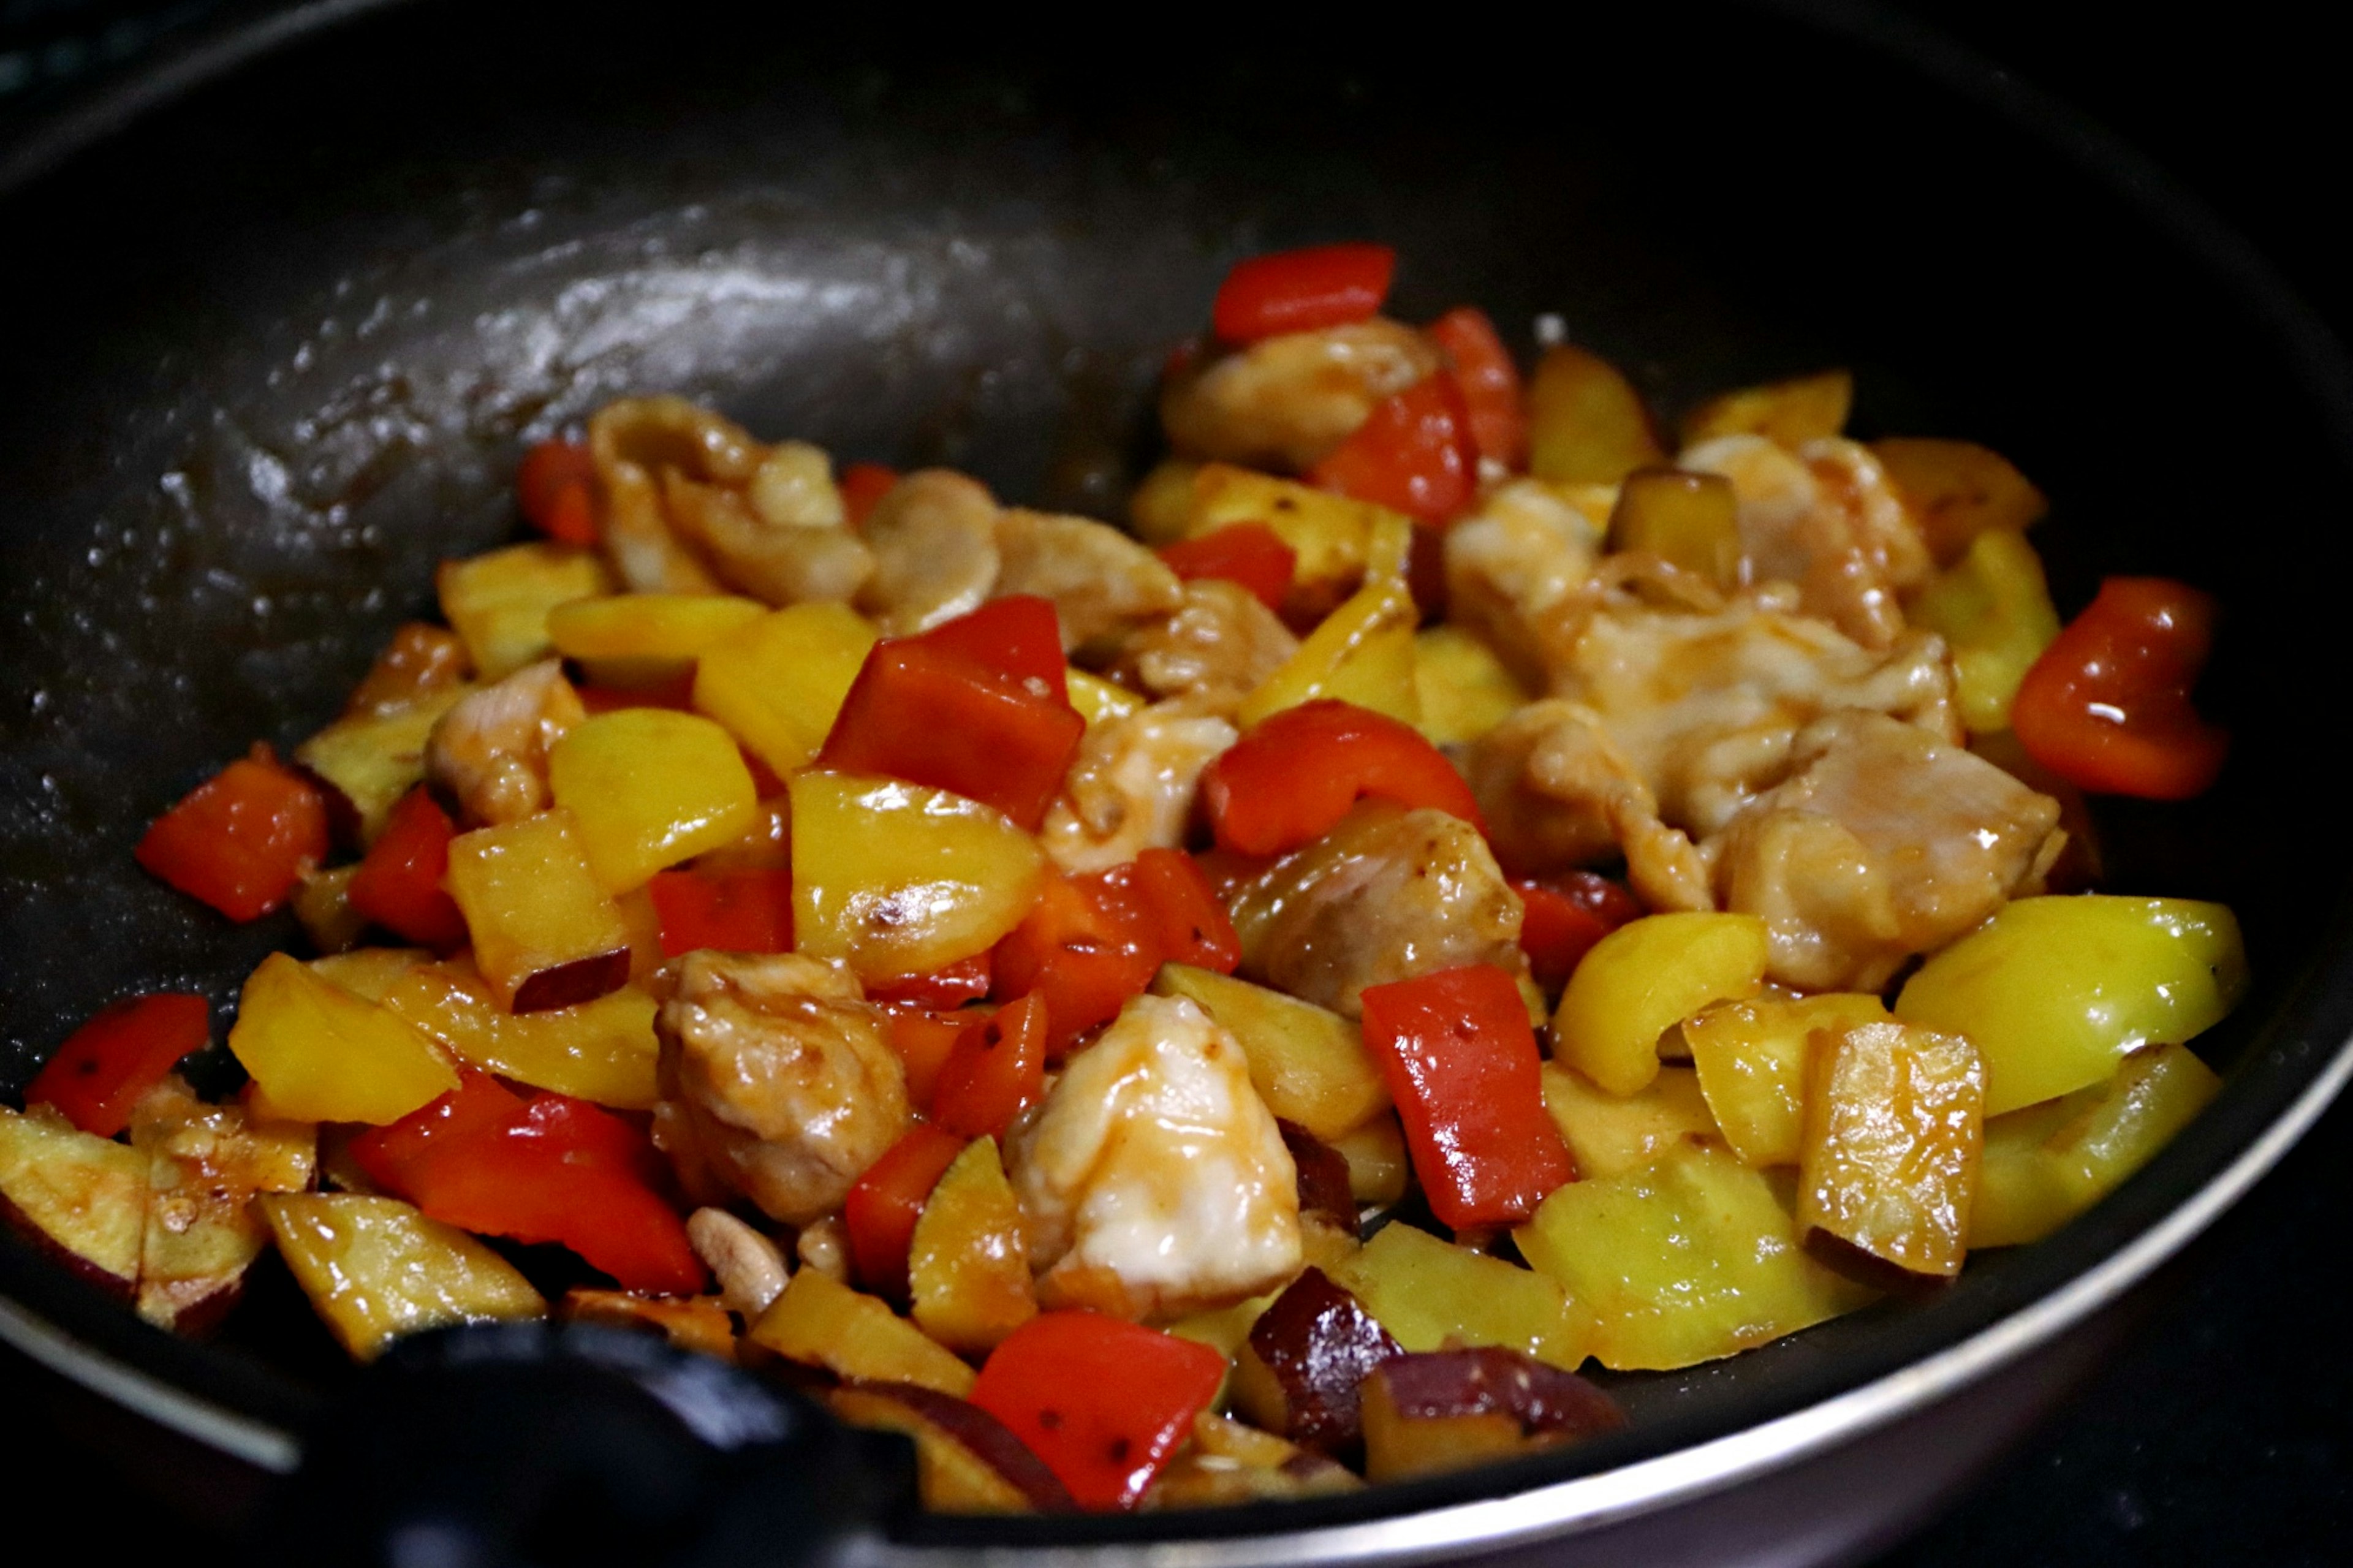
631,441
418,662
1387,895
1099,579
1828,518
489,753
1132,788
1883,842
1217,649
1153,1180
933,535
1528,547
749,1266
1550,782
778,563
1284,403
777,1080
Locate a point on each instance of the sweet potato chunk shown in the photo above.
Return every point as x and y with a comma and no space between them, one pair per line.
1446,1409
966,1461
79,1197
377,1269
205,1164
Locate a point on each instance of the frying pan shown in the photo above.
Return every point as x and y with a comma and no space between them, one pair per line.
288,307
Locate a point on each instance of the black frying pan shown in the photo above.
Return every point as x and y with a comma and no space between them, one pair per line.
292,323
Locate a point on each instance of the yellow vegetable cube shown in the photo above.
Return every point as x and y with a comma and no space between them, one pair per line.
1161,505
967,1268
1362,653
1586,424
777,683
641,639
2021,1194
1691,520
1751,1059
1645,977
1097,698
823,1322
1994,612
1894,1120
377,759
647,788
498,604
1786,413
377,1269
1308,1063
1608,1133
602,1050
895,878
1427,1293
1957,490
1464,689
2054,992
1377,1161
545,933
321,1053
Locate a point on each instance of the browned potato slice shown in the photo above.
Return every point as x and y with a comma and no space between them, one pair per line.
1228,1462
375,1268
1442,1410
1298,1372
1894,1128
1786,413
1957,489
205,1164
966,1461
1691,520
690,1322
80,1198
1586,424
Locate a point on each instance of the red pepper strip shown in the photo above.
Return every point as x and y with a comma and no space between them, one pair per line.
732,911
393,1153
922,1040
861,486
556,488
1187,923
1287,782
881,1211
1302,290
1085,948
967,980
1019,636
1104,1402
2107,706
997,1071
677,694
1489,384
1460,1059
1250,553
1414,454
103,1068
242,839
932,716
1566,914
399,883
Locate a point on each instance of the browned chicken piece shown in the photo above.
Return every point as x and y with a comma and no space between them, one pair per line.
933,535
489,753
1101,581
1284,403
1214,651
1387,895
783,538
1524,553
1153,1181
631,441
419,660
777,1080
1828,518
1883,842
1132,788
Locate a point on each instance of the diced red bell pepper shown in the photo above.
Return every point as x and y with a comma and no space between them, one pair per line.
2107,706
98,1075
1104,1402
730,911
676,692
1084,947
399,884
1489,384
393,1154
883,1207
997,1071
1287,782
933,717
1019,636
1302,290
241,840
1250,553
1185,921
1414,454
965,980
1460,1059
556,489
922,1040
861,486
1566,914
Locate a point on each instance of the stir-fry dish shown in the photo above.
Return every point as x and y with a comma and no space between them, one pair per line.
1234,1006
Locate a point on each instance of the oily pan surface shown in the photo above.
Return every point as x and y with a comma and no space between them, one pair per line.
289,336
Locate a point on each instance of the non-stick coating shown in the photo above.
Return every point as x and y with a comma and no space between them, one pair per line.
273,349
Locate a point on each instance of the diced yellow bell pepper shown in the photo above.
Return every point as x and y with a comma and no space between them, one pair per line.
1464,689
368,972
1684,1261
1687,520
375,760
2021,1195
642,639
1308,1063
1994,612
820,1322
2054,992
1751,1060
1786,413
1608,1133
895,878
1161,506
777,683
532,903
1642,978
649,788
967,1269
1331,534
1586,424
603,1050
1889,1165
1362,653
1097,698
377,1269
1957,490
1427,1293
321,1053
498,604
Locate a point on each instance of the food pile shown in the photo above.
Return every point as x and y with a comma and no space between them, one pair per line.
1228,1008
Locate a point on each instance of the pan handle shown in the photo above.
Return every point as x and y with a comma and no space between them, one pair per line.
544,1443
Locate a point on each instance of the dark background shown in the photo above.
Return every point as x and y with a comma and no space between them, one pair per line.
2224,1429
